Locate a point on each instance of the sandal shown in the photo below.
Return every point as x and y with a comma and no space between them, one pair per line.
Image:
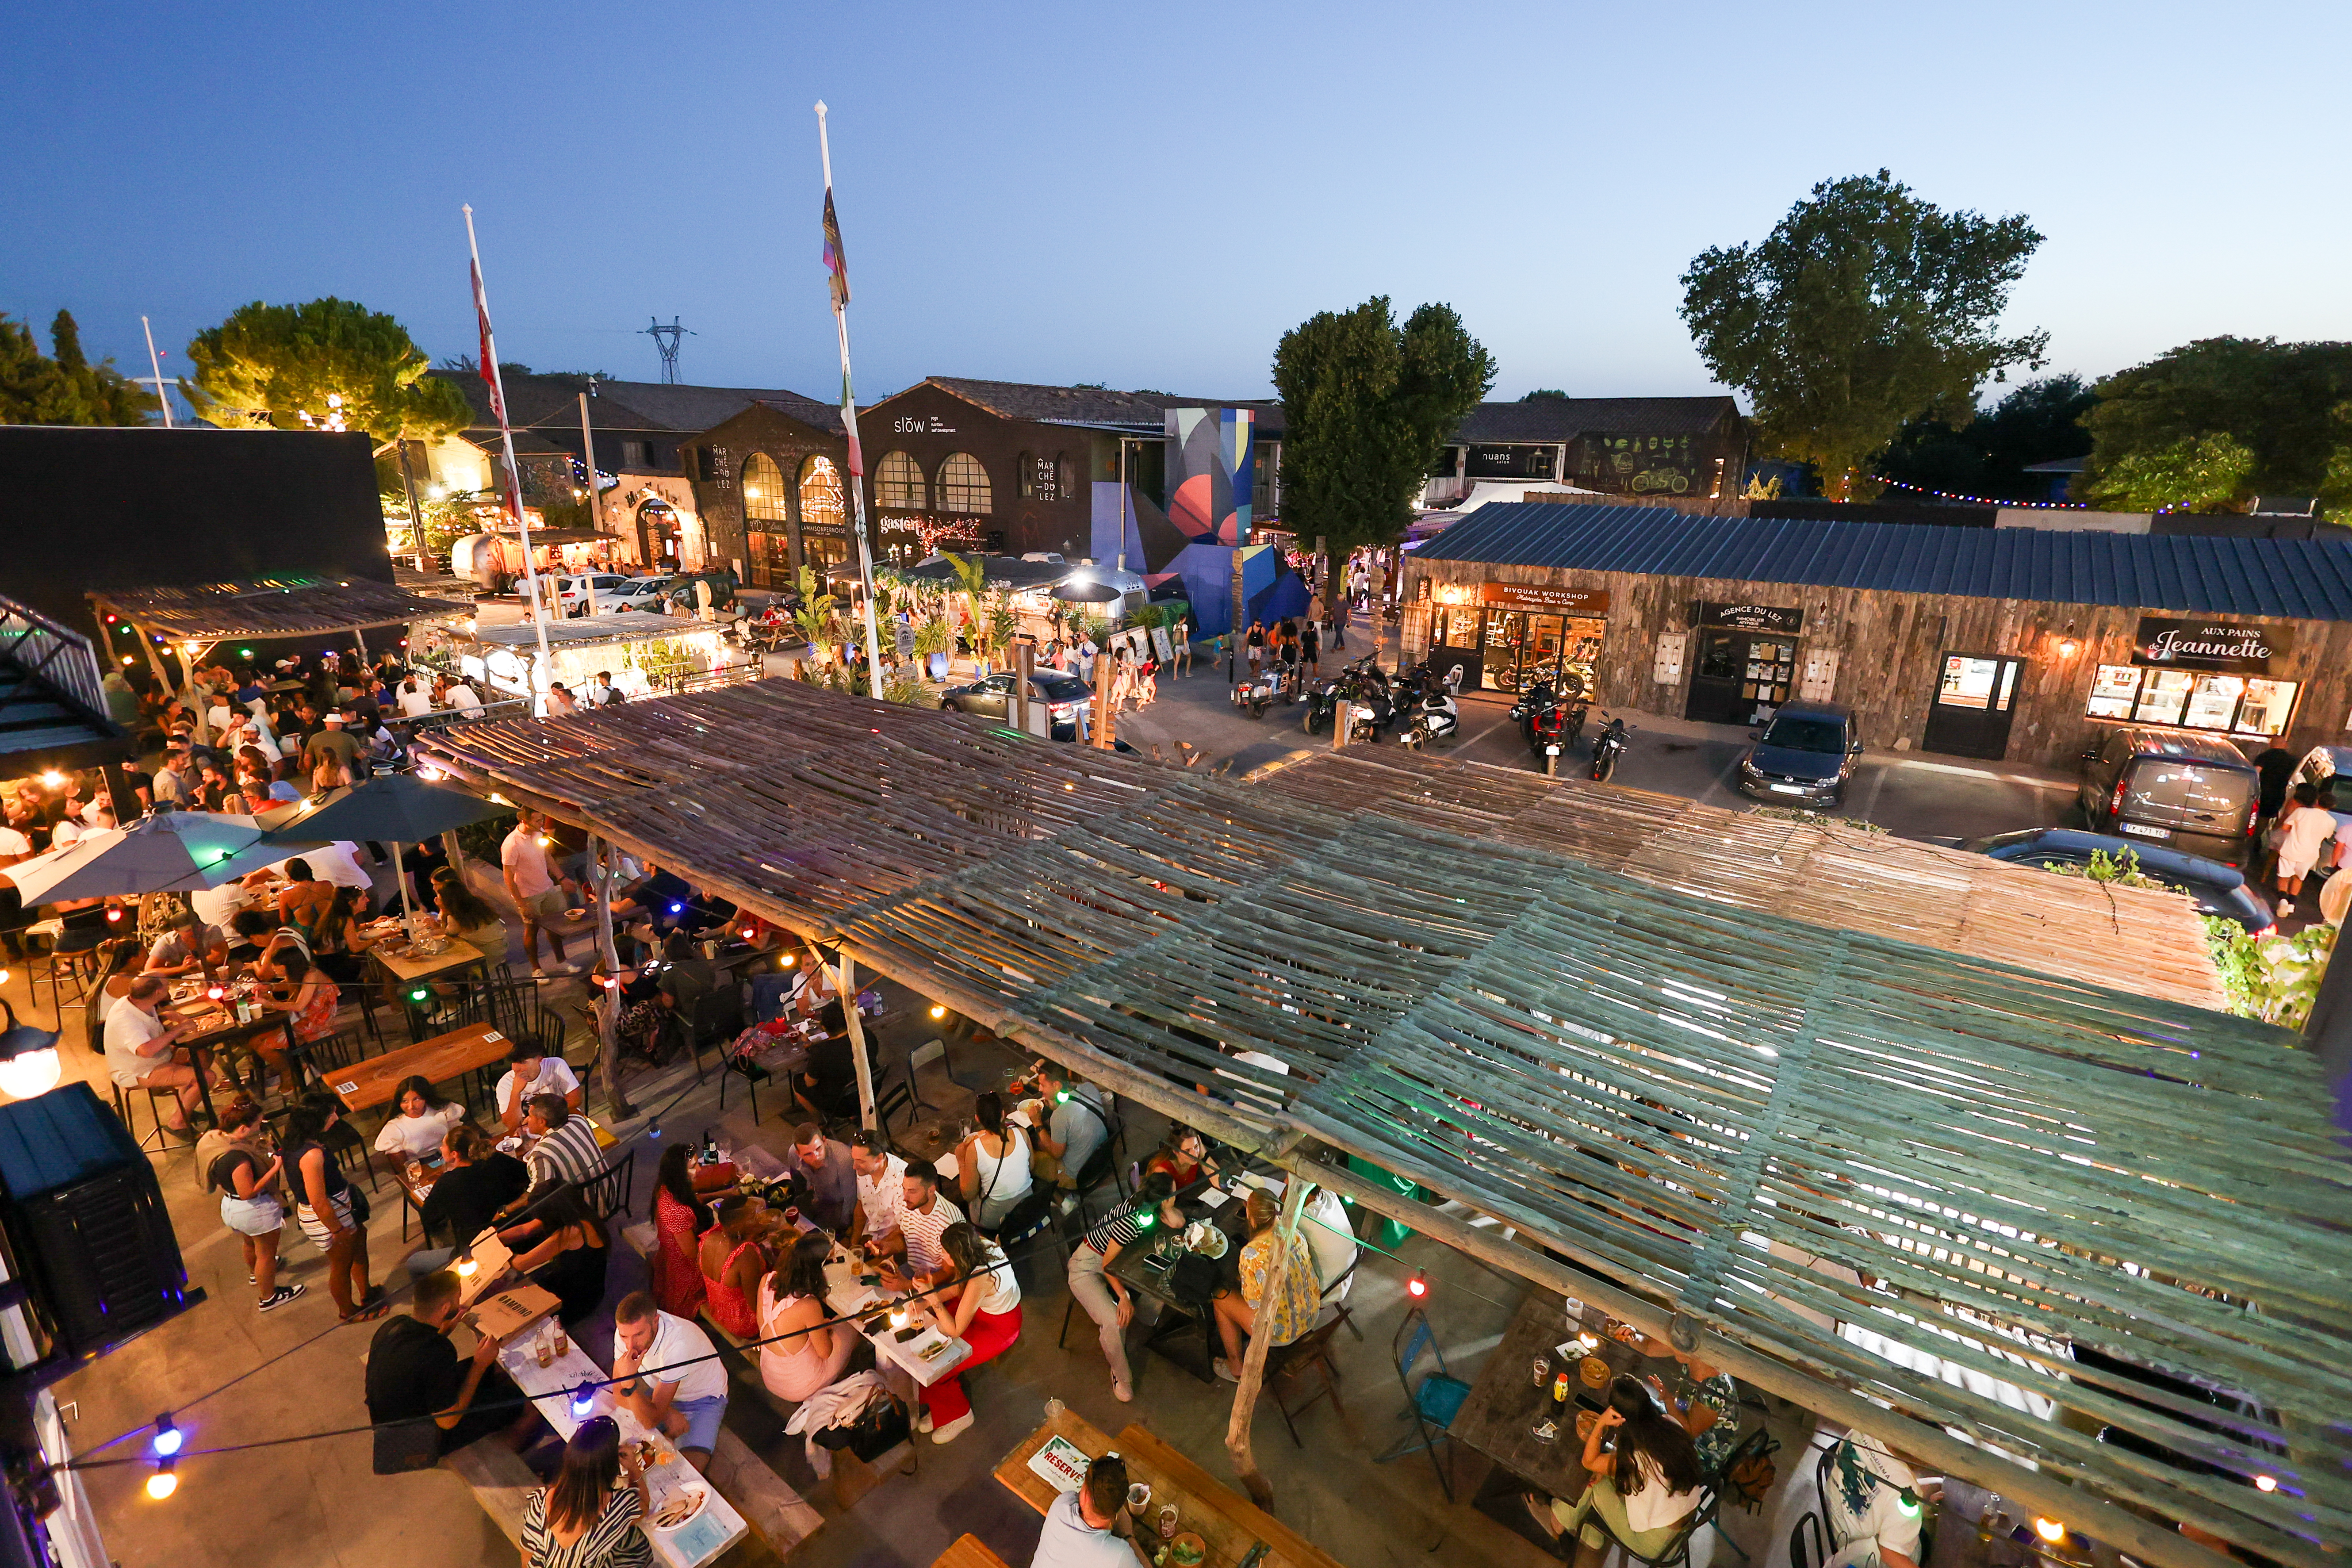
1539,1507
365,1313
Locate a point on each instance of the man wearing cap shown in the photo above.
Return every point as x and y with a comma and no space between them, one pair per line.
332,743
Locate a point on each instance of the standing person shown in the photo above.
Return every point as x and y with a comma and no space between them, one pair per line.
1147,681
683,1391
1873,1496
604,694
1643,1489
980,1305
323,1203
1122,679
992,1167
2303,831
591,1515
1179,644
239,1168
791,1301
139,1052
559,701
1311,644
536,884
1256,643
1335,623
1106,1297
2275,768
1295,1308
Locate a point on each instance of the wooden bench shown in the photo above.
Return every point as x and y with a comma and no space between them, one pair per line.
502,1483
777,1513
968,1551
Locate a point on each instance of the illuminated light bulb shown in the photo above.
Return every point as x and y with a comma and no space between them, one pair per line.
583,1401
2266,1483
114,916
163,1484
465,1266
544,841
1418,1286
214,992
168,1437
52,778
938,1012
2049,1530
787,961
30,1073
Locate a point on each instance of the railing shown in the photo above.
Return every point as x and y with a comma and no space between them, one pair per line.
709,679
62,658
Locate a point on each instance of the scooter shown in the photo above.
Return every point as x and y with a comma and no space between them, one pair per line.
1255,693
1434,719
1322,701
1607,747
1369,713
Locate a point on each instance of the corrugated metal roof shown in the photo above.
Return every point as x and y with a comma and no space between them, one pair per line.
2303,579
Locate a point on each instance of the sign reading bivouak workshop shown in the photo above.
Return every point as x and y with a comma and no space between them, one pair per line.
2231,647
1542,598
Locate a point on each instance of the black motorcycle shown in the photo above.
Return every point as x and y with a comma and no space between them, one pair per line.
1607,747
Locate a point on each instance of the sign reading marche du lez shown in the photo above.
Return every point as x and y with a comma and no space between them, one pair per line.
2226,645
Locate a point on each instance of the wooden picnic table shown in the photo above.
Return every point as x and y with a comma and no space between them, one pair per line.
459,954
438,1060
1228,1522
1498,1418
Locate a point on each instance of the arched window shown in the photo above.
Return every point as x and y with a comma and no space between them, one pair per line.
820,500
963,484
899,482
763,490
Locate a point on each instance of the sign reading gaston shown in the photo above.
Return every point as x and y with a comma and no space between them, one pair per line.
1543,598
2225,645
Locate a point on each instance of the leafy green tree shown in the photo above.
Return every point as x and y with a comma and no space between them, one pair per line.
1545,394
1866,307
271,365
1366,407
2212,423
35,389
2039,422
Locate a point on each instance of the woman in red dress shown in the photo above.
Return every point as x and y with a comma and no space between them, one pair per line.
680,1216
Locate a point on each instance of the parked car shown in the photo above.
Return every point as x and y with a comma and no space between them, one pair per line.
992,697
2197,793
1803,756
572,588
636,593
2217,889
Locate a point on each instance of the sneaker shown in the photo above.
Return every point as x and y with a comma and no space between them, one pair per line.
953,1429
253,1279
923,1420
2285,907
1225,1371
540,978
279,1297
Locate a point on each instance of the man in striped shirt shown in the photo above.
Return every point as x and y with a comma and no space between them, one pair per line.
915,1228
566,1148
1104,1298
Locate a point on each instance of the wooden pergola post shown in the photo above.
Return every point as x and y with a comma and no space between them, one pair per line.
608,1005
1253,1379
858,1043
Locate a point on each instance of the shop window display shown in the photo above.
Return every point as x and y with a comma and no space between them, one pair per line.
2189,699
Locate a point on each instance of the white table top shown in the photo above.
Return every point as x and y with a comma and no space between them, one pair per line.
927,1358
697,1541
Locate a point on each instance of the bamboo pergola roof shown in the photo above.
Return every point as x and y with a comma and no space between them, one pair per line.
272,607
1818,872
1904,1184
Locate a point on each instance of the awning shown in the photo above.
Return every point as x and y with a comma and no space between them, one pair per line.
272,607
1747,1128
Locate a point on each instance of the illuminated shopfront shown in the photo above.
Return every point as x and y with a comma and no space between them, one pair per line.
1508,636
2200,674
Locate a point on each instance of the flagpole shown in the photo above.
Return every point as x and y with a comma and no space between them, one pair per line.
849,423
514,480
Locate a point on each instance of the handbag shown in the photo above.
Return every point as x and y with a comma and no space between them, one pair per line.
404,1446
1193,1280
877,1429
359,1204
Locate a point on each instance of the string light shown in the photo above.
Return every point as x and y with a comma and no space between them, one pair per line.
2049,1530
1982,501
163,1483
939,1011
2266,1483
168,1437
584,1400
1418,1286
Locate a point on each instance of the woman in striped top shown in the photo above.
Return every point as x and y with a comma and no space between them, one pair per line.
1105,1299
587,1518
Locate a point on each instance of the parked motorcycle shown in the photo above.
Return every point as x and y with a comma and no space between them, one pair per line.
1322,702
1609,746
1257,693
1434,718
1370,713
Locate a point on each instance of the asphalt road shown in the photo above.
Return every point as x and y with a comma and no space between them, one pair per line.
1913,795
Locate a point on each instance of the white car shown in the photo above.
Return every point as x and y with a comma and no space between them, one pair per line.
572,590
633,593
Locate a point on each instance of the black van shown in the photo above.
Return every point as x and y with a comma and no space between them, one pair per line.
2197,793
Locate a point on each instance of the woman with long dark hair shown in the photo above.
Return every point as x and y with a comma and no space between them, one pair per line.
979,1303
993,1164
323,1203
586,1518
791,1301
1644,1484
421,1117
679,1216
570,1261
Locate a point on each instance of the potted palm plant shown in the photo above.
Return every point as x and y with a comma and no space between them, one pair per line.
932,640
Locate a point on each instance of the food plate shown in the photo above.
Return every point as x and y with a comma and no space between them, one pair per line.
680,1509
1623,1333
1594,1370
575,914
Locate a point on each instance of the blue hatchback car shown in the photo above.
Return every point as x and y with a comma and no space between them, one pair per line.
1802,757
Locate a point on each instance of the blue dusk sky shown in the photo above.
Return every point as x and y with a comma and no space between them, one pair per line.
1144,195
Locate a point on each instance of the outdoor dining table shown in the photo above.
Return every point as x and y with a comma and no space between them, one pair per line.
1147,1267
219,1030
1498,1420
405,969
377,1079
925,1355
1228,1524
701,1539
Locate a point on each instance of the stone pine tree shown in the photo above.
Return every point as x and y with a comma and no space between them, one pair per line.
66,389
1864,309
279,365
1367,406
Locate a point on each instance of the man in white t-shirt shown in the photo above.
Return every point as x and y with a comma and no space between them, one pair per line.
460,696
528,1073
1874,1504
1091,1528
687,1402
138,1047
416,701
880,1175
537,886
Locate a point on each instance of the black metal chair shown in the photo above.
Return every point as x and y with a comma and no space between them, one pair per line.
75,952
1434,1401
733,1065
610,1189
1286,1364
1334,1302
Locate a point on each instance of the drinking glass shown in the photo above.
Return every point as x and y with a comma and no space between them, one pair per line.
1054,1409
1138,1497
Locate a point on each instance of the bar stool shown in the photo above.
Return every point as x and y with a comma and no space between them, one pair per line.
158,1137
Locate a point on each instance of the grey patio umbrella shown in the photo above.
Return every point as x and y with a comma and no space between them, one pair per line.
395,808
169,852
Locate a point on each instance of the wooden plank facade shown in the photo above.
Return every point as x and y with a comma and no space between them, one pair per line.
1882,653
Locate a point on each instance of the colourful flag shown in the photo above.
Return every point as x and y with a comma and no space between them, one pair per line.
835,261
497,396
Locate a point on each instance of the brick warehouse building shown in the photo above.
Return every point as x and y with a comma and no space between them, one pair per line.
1996,642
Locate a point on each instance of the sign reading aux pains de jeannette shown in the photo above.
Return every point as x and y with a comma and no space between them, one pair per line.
2228,646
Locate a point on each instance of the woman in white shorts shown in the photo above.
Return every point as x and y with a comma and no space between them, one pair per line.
247,1176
